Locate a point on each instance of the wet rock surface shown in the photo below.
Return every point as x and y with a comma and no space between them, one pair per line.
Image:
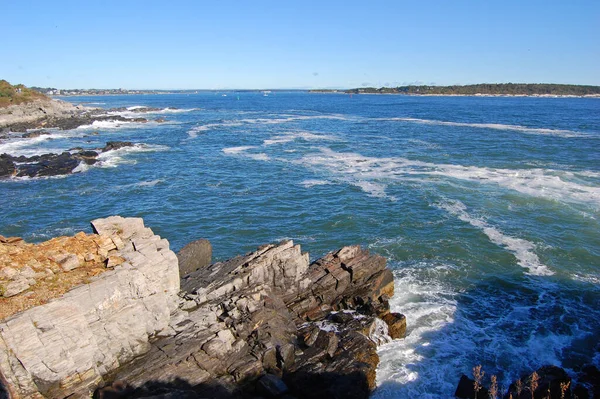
54,164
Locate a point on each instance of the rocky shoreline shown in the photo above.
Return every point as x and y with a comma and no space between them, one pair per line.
266,324
27,121
116,314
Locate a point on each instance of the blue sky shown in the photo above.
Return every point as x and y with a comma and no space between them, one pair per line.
298,44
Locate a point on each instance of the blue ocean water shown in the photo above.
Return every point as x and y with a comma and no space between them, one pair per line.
487,209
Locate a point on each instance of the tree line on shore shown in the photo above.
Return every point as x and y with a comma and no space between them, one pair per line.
526,89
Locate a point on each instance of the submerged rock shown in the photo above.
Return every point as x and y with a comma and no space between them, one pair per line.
116,145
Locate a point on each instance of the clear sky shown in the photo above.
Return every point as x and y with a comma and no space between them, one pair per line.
222,44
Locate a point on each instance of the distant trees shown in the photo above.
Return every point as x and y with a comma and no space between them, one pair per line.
529,89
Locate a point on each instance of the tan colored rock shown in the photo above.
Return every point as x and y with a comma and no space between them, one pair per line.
14,287
69,262
113,261
396,324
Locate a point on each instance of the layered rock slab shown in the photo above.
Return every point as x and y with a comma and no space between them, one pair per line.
67,346
272,320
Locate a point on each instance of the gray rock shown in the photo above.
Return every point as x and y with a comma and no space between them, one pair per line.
193,256
271,386
93,329
14,287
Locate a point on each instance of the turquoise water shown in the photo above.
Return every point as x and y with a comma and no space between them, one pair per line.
486,208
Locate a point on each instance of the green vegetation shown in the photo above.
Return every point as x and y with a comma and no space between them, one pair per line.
514,89
17,94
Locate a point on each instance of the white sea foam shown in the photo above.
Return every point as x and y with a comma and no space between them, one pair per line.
422,295
452,329
293,118
496,126
174,110
108,125
193,132
237,150
114,158
311,183
25,146
138,110
587,278
82,167
150,183
522,249
550,184
301,135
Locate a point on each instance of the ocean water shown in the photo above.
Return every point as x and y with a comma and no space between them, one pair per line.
487,209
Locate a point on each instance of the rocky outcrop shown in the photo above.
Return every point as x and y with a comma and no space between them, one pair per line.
268,323
68,345
54,164
54,114
271,322
38,111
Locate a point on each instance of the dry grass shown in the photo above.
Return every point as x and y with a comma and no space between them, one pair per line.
478,377
51,280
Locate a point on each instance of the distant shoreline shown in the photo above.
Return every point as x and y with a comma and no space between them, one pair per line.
483,90
459,95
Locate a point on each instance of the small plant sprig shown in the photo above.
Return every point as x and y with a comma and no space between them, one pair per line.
519,386
478,377
563,388
493,392
533,383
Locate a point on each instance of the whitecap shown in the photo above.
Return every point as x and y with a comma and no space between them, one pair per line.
237,150
522,249
557,185
82,167
312,183
114,158
193,132
107,125
497,126
302,135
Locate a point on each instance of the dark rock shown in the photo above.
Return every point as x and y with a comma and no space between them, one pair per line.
466,389
549,383
7,166
590,379
48,165
193,256
272,312
271,386
35,133
87,156
115,145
